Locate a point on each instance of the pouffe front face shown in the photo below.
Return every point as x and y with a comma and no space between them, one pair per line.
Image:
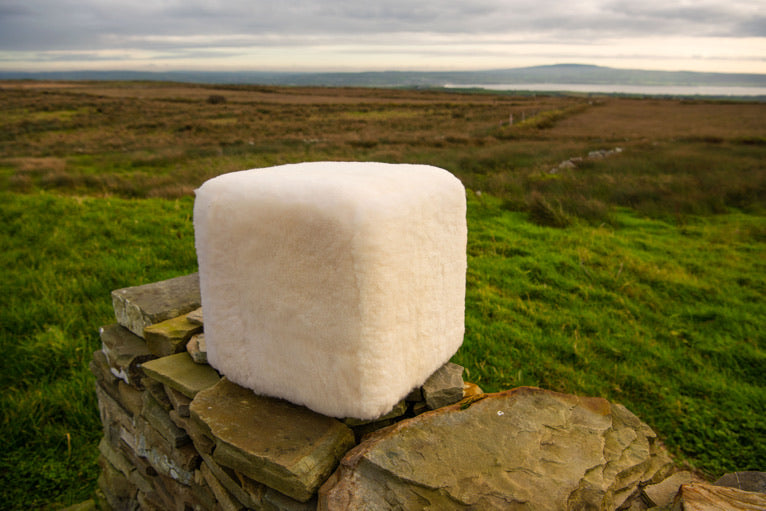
335,285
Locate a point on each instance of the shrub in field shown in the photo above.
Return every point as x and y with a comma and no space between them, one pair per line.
216,99
592,210
543,212
548,118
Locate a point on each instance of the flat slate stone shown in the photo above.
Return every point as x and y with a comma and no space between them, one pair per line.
748,481
112,413
140,306
120,460
179,372
246,491
177,463
99,366
125,352
119,491
160,420
444,387
130,397
195,316
279,444
115,457
275,501
526,448
709,497
170,336
150,502
179,401
662,493
199,436
197,348
202,493
225,499
157,390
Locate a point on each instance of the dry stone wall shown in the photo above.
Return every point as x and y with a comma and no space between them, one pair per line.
178,436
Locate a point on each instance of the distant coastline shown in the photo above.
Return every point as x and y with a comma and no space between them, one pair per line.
617,88
563,78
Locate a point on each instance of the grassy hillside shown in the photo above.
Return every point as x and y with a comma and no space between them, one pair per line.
649,291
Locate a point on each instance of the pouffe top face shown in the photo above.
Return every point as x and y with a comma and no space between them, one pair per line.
367,185
335,285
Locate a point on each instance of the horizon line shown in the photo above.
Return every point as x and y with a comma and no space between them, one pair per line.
363,71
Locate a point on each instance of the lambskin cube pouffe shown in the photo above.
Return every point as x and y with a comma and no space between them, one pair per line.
335,285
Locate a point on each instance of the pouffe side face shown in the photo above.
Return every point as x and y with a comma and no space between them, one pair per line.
335,285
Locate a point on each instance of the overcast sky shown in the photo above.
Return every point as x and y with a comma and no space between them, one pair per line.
355,35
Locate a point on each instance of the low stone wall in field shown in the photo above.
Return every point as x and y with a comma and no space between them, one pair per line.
178,436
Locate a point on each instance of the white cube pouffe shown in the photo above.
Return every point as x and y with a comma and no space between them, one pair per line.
336,285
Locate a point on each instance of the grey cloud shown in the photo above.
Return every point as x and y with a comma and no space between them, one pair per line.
7,11
92,24
754,27
725,19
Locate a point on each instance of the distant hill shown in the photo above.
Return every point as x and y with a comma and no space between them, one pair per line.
586,74
559,74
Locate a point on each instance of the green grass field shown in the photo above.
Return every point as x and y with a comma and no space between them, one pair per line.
651,292
62,256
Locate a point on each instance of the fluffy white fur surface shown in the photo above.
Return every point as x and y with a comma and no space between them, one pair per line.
336,285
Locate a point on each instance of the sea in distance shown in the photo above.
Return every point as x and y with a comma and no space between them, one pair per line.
649,90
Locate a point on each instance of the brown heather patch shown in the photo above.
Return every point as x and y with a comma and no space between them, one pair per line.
33,165
656,119
163,140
